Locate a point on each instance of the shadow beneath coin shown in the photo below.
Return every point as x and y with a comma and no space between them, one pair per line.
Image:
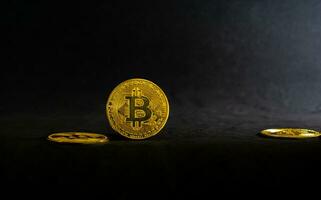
283,138
117,137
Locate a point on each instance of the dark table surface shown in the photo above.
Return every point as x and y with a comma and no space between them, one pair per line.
200,151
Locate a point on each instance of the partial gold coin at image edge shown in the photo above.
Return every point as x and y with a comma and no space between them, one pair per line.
137,109
78,137
296,133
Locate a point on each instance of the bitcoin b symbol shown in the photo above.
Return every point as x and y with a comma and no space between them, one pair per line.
138,108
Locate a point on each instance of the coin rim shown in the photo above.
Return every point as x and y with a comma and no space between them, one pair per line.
100,141
139,79
266,133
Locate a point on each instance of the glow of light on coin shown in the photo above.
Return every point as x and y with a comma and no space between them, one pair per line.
137,109
290,133
78,137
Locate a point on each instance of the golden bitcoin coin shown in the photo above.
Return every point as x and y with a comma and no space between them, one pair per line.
290,133
78,137
137,109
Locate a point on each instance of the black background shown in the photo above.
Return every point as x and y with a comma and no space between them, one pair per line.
229,69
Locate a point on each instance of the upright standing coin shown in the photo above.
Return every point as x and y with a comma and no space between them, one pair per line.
137,109
290,133
77,137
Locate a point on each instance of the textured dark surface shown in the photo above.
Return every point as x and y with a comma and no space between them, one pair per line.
229,68
200,152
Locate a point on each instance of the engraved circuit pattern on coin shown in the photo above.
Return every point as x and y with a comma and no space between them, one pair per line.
137,109
290,133
78,137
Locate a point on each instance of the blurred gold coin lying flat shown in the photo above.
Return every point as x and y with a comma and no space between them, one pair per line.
78,137
290,133
137,109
